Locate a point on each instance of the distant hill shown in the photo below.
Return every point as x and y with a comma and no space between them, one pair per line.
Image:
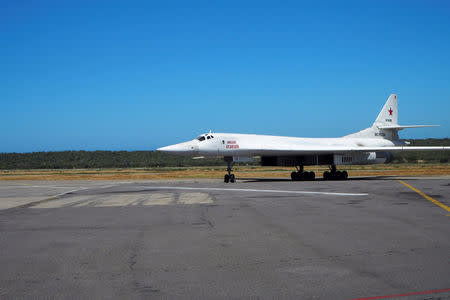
141,159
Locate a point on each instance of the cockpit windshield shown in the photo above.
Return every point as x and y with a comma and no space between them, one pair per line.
204,137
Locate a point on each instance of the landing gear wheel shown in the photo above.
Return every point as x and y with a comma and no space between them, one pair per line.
301,175
306,176
229,177
333,174
232,178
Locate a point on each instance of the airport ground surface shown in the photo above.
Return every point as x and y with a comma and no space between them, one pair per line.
206,239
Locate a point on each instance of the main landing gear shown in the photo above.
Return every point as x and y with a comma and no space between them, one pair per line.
333,174
302,175
229,177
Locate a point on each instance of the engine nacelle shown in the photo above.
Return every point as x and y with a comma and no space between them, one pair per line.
356,158
365,158
293,161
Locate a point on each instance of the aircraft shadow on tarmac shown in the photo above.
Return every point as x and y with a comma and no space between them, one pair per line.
321,179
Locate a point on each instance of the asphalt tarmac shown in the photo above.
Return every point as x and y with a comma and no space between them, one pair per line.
204,239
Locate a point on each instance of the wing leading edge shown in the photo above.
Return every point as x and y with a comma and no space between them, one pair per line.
343,149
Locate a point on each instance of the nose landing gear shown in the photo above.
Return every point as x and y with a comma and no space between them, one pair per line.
334,174
302,175
229,177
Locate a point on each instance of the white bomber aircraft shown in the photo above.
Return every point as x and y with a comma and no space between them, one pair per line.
372,145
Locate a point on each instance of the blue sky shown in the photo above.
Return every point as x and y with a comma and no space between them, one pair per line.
127,75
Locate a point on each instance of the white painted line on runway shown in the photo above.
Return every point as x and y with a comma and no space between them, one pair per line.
254,190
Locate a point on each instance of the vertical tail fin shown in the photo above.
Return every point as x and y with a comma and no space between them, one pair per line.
387,116
389,113
386,125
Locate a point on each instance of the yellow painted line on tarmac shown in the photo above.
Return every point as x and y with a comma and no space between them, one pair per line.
434,201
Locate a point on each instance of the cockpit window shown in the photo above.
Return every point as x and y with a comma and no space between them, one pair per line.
205,136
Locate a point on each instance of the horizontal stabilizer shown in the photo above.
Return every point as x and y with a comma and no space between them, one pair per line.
400,127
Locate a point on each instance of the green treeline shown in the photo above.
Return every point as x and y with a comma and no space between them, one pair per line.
98,159
425,156
141,159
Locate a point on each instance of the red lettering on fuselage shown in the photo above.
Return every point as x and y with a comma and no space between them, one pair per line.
232,145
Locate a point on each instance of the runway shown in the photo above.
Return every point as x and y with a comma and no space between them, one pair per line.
266,239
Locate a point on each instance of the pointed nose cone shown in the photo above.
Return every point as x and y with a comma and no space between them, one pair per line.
187,148
167,149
